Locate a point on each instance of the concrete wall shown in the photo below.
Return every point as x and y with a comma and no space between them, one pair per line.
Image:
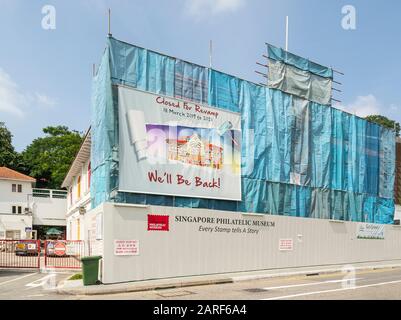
397,214
15,223
93,221
187,249
49,211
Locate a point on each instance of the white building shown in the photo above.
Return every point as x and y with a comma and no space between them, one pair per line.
48,211
25,211
77,182
15,220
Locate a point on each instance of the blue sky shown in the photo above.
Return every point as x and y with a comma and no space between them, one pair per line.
45,75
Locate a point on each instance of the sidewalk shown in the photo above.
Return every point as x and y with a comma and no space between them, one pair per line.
76,287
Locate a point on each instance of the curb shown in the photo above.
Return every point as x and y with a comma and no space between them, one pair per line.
137,287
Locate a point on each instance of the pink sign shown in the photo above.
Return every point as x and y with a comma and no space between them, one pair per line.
126,247
286,245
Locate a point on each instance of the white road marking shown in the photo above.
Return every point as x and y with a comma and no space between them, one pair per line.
35,296
19,278
333,290
41,282
310,284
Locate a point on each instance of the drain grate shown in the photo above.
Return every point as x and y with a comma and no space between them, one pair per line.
313,274
255,290
174,293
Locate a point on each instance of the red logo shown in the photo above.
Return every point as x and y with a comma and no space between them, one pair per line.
158,223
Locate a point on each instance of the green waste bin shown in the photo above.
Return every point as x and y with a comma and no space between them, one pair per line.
90,270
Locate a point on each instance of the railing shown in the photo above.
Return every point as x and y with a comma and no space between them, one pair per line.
24,213
60,254
19,254
47,193
64,254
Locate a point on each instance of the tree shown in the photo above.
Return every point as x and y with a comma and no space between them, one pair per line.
8,156
49,158
385,122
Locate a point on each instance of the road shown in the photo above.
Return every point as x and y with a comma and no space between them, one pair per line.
30,285
382,284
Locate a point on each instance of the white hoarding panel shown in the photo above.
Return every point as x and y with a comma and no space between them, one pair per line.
205,242
180,148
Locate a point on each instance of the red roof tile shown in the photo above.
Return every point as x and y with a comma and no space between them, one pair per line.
6,173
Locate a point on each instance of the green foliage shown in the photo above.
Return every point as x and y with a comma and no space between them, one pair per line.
77,276
8,156
48,158
385,122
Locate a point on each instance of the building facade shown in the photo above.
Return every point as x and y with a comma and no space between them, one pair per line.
15,190
27,212
77,183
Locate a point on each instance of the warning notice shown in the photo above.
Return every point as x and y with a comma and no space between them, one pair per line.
126,247
286,245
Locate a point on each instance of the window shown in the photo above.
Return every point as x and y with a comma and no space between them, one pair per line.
78,229
13,234
79,188
70,196
16,209
16,188
89,176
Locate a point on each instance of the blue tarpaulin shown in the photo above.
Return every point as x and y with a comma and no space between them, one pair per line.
299,158
289,58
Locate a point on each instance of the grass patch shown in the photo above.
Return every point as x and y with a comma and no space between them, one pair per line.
77,276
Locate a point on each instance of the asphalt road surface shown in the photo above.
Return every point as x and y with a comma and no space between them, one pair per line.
30,285
384,284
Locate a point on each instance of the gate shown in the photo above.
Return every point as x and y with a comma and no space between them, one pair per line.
64,254
20,254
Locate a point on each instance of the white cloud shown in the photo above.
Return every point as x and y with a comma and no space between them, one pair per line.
45,100
394,108
364,106
11,99
202,7
14,101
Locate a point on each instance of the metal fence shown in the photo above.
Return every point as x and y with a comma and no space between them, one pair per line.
34,254
63,254
48,193
20,253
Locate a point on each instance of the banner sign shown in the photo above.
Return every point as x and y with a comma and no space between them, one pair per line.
370,231
174,147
